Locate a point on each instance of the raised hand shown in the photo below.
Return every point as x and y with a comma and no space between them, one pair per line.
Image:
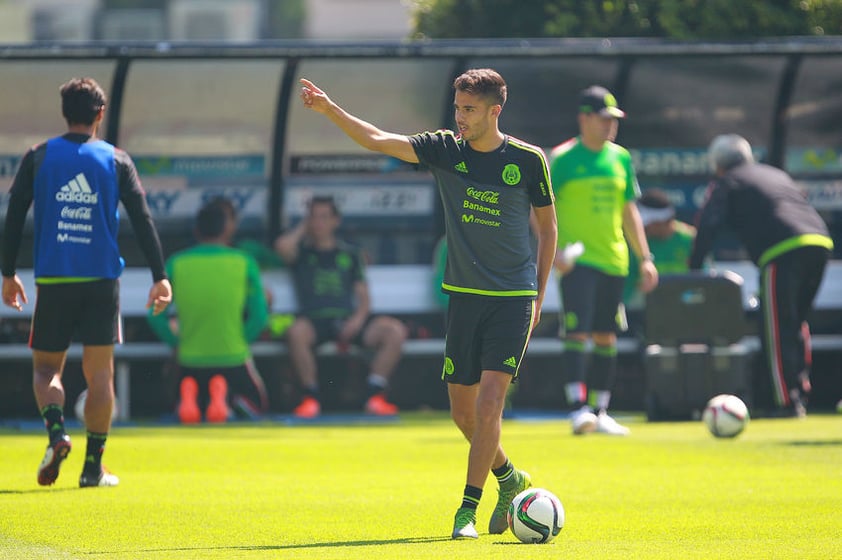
313,97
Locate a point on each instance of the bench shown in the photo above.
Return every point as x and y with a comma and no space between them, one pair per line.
402,290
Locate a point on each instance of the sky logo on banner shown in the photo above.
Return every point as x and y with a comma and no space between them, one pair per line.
77,190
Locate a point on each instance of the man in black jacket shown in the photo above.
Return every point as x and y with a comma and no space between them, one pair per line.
788,241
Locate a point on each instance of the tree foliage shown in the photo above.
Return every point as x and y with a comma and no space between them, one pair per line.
674,19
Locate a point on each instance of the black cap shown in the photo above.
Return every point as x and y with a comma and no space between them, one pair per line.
597,99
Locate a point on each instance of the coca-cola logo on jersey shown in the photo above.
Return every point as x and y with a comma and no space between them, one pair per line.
489,197
80,213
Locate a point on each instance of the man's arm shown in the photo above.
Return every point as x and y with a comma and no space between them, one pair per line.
636,236
286,245
20,199
712,217
355,322
134,200
363,133
546,229
161,323
257,309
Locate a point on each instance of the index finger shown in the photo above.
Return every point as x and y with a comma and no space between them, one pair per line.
309,85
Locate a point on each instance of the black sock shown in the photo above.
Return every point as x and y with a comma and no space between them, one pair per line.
53,421
312,392
93,454
504,473
471,497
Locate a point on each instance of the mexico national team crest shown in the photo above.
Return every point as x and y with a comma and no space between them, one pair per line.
511,174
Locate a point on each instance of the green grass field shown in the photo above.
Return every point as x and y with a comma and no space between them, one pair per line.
389,491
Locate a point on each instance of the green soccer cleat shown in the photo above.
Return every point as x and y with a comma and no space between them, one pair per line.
519,482
464,525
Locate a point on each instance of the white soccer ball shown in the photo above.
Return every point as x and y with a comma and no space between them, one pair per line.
725,416
535,516
79,407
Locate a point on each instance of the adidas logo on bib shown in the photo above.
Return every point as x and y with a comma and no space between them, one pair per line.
77,190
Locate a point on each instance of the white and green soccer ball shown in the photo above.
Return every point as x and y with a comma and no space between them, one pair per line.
535,516
725,416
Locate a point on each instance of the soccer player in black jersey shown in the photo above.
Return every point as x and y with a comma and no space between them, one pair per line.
788,241
489,183
76,182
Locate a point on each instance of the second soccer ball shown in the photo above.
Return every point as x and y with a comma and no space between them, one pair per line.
725,416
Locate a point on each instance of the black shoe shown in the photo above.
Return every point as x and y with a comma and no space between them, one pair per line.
56,453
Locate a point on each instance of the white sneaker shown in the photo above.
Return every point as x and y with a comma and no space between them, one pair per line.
607,425
583,421
105,478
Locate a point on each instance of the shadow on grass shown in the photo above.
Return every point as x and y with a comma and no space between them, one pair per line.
814,443
336,544
39,490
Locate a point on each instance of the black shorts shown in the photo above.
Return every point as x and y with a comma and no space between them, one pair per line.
87,312
590,300
485,333
328,329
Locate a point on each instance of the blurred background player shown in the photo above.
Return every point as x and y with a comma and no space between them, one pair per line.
220,305
595,188
76,182
788,241
670,242
334,304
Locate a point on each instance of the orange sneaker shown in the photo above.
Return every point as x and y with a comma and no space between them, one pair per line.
188,406
379,406
218,408
308,408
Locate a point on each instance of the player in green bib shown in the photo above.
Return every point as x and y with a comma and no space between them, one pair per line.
220,304
670,241
595,188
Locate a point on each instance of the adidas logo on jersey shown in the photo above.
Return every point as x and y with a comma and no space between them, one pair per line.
77,190
461,167
511,362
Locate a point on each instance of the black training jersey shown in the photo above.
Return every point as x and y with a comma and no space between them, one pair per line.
487,197
324,280
765,209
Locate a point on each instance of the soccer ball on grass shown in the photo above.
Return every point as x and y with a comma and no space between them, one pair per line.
535,516
79,407
725,416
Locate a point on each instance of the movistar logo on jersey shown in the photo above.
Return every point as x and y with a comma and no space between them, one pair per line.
461,167
77,190
489,197
511,174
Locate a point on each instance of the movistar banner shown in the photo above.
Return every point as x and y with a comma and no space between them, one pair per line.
202,167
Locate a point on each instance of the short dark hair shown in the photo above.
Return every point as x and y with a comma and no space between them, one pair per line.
213,216
654,198
325,199
81,100
484,82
